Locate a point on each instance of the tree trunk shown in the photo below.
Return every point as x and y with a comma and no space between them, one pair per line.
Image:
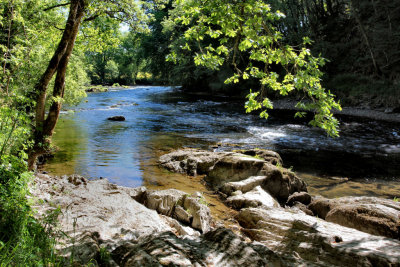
377,69
58,63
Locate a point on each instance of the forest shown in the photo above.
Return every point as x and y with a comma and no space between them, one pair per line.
323,55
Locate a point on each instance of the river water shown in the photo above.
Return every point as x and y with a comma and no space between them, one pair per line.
365,160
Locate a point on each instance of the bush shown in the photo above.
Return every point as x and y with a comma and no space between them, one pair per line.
24,240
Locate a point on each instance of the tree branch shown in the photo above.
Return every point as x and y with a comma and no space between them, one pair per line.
91,18
60,5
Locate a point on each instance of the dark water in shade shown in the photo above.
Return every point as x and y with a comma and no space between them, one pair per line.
159,119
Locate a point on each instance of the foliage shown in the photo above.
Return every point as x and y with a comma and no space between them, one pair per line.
24,241
246,28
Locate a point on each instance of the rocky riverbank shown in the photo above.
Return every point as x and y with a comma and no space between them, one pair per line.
280,223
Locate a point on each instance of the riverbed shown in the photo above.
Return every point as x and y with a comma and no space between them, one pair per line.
364,160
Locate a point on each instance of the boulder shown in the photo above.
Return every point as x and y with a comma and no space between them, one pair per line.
300,207
116,118
234,167
281,182
220,247
313,241
190,161
223,169
200,212
163,201
138,194
368,214
321,206
180,229
301,197
182,215
254,198
267,155
244,185
96,206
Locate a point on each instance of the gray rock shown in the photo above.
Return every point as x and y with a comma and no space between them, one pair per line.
234,167
138,194
313,241
267,155
190,161
227,167
237,193
254,198
220,247
244,186
84,251
98,206
297,206
200,212
281,183
164,201
182,215
302,197
321,206
181,230
368,214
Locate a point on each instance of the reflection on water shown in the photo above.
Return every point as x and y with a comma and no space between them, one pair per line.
160,119
339,187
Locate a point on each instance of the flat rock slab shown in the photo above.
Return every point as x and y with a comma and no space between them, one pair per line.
368,214
219,247
96,206
315,241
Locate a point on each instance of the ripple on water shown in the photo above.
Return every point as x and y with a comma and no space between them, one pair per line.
165,119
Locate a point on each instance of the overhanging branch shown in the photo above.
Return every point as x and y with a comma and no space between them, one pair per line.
59,5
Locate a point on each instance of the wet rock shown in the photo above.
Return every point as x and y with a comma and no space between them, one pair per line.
220,247
163,201
116,118
244,185
368,214
200,212
254,198
267,155
311,240
302,197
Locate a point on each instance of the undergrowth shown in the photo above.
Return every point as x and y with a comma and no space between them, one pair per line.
24,239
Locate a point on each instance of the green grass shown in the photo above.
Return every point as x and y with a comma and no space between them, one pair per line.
24,239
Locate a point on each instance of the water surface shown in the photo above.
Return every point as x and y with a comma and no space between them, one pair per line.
160,119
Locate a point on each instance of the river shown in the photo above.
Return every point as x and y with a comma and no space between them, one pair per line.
365,160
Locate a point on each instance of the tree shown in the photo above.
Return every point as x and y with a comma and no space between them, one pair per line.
130,11
247,28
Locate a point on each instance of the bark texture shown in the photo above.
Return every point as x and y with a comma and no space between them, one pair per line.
44,127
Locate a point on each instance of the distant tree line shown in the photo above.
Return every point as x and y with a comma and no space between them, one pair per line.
359,38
